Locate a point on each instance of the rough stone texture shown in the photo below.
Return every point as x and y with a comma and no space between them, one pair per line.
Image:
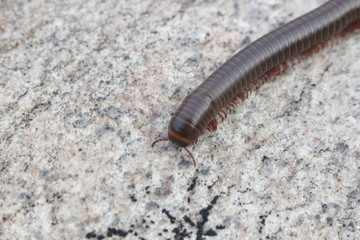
86,86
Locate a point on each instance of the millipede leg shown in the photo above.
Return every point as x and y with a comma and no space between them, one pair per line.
159,140
192,157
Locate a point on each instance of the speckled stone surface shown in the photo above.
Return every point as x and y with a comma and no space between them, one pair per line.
86,86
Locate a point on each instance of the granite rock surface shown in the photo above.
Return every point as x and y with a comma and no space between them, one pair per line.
86,86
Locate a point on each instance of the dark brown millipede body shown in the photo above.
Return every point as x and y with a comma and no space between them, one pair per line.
241,71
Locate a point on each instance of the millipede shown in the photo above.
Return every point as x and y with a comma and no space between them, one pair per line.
234,79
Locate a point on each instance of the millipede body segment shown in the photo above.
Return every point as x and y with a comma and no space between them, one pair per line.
241,71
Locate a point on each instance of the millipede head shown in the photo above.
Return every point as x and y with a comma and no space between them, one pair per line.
181,132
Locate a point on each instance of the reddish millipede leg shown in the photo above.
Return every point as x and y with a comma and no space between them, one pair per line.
228,108
250,90
166,139
221,116
192,157
224,114
212,126
234,101
159,140
241,96
232,105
